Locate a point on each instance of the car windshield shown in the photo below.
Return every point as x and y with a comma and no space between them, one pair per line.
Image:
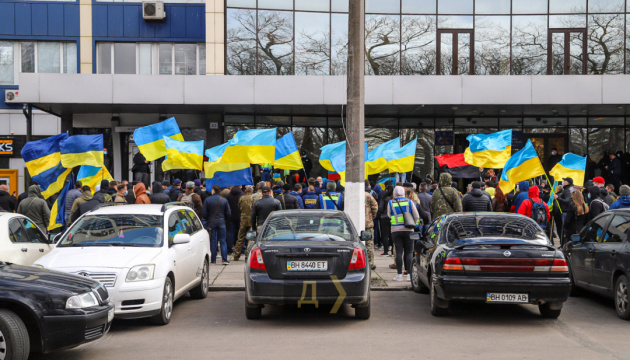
115,230
308,227
492,226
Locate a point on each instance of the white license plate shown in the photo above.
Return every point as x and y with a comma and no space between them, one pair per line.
110,315
307,265
507,298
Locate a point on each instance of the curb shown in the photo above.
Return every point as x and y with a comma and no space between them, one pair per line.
242,288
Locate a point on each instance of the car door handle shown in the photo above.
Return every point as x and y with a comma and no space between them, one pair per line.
41,250
24,249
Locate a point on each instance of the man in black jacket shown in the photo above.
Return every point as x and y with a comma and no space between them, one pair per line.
140,169
235,220
215,211
596,203
176,190
476,200
7,202
263,207
89,205
288,201
157,194
614,171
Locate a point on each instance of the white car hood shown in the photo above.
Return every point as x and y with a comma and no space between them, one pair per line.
98,257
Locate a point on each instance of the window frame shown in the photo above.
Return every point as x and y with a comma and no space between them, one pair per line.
17,56
155,56
455,33
567,46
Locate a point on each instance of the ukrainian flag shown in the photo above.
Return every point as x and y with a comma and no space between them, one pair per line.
57,213
403,159
338,162
523,165
93,175
329,151
377,161
257,146
183,154
82,150
571,165
489,150
287,154
225,175
43,161
216,152
150,139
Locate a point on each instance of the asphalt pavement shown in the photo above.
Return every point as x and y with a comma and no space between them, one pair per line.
401,327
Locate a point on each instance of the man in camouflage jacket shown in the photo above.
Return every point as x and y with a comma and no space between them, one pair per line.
371,208
445,199
245,204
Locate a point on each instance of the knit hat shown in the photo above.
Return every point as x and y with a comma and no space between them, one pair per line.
197,182
624,190
599,180
331,186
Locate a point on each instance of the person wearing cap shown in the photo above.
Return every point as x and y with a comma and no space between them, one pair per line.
331,199
599,182
624,198
157,195
277,189
288,201
263,207
191,199
214,213
103,190
176,190
245,204
166,187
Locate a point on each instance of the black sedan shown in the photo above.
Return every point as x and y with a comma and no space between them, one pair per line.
307,257
44,310
490,257
599,258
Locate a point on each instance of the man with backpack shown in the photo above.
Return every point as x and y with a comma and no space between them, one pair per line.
191,199
535,208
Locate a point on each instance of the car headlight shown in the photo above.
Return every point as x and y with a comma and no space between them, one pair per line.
140,273
81,301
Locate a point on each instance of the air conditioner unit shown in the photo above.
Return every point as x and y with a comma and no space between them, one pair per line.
153,10
11,96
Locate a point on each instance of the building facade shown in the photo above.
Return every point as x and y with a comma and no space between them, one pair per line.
552,70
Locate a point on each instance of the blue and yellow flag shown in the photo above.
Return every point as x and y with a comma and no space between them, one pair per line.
216,152
523,165
257,146
338,162
93,175
150,139
489,150
377,161
58,211
287,154
183,154
329,151
80,150
571,165
43,161
218,173
403,159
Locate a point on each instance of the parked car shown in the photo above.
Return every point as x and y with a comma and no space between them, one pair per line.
489,257
146,255
46,310
599,258
21,241
307,256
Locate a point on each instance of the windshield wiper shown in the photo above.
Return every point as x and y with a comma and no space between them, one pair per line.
120,244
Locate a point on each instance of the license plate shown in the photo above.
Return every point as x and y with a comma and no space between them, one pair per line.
507,298
110,315
307,265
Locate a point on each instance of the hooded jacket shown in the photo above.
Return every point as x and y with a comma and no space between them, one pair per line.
141,194
622,202
527,206
447,203
596,203
399,196
158,196
605,195
7,202
96,200
523,188
35,208
232,199
476,200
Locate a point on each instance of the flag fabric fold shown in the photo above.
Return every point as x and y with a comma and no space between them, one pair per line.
489,150
403,159
329,151
80,150
93,175
571,165
43,161
377,161
287,155
338,162
225,175
456,165
182,154
521,166
150,139
257,146
57,213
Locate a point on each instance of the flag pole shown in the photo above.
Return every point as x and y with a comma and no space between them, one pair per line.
554,194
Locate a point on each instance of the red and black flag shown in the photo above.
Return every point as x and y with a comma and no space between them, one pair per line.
455,165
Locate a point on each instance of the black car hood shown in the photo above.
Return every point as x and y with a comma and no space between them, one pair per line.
17,276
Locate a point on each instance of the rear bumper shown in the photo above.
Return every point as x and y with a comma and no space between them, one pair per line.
260,289
475,289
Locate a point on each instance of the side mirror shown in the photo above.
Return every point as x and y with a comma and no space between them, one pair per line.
575,238
366,235
181,239
251,235
53,238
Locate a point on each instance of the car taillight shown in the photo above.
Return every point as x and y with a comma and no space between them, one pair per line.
358,259
256,261
453,264
559,265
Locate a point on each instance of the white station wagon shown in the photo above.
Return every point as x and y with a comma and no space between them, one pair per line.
21,241
146,256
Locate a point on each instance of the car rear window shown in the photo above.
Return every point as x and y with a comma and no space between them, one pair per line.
308,227
115,230
469,227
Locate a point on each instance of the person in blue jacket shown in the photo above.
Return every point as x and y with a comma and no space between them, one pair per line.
624,198
311,199
297,192
331,199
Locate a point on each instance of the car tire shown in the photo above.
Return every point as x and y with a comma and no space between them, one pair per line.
547,312
363,312
14,340
252,312
416,283
622,304
201,291
435,309
166,310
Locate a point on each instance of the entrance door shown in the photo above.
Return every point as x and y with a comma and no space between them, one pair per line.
455,52
567,53
133,150
544,143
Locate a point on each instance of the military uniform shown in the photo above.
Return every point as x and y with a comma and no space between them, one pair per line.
245,203
257,196
448,203
371,208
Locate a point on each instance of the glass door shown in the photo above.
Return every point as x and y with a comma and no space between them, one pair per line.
455,52
567,53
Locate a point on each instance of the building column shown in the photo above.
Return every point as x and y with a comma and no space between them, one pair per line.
215,37
85,33
66,124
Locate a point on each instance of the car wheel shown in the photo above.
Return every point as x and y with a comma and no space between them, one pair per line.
363,312
621,297
201,290
547,312
164,317
416,283
14,340
435,309
252,312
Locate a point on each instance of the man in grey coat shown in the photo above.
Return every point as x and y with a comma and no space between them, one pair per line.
35,208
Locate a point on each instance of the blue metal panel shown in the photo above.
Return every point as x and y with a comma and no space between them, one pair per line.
23,15
178,21
40,19
147,29
132,17
115,20
55,19
99,20
71,20
7,20
163,28
195,22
